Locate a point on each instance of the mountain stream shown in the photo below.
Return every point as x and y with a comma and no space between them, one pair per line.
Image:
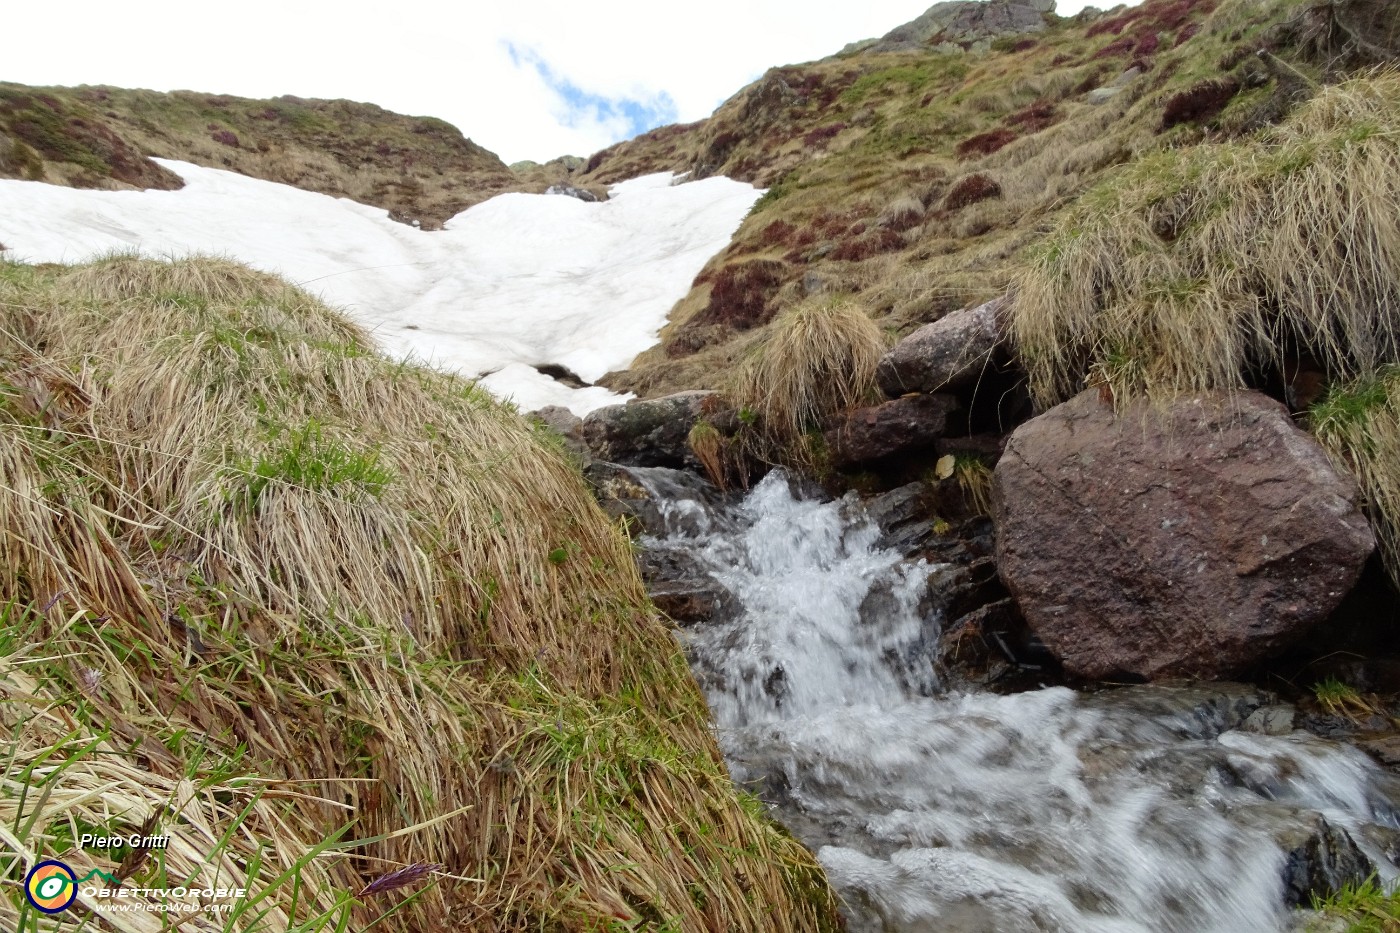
1156,808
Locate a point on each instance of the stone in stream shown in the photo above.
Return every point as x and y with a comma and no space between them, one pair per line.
1188,539
1320,858
657,501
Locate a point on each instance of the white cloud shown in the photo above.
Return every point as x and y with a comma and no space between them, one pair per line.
449,60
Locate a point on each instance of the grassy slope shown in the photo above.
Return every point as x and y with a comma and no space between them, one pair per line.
321,616
418,168
916,181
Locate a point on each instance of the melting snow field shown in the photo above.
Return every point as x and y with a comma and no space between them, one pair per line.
516,281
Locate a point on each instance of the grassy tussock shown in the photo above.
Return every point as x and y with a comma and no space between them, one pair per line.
1359,908
1189,267
1359,424
817,359
333,616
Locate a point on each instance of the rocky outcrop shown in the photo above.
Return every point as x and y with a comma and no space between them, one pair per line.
947,355
572,191
646,432
901,426
1191,539
960,23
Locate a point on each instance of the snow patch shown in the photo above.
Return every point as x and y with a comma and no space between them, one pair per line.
513,282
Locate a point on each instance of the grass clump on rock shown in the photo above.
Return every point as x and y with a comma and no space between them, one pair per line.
1189,268
321,616
817,359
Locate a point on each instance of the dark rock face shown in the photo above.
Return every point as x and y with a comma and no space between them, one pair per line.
949,354
650,432
571,191
900,426
960,22
655,501
1194,539
1320,858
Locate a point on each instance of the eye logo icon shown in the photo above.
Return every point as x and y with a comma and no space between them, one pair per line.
51,887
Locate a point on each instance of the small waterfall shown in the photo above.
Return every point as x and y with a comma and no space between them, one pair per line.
1141,809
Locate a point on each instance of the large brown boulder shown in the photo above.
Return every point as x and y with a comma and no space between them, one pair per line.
951,353
1191,539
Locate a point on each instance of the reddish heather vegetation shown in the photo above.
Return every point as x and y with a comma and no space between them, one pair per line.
970,190
1198,103
740,293
1120,46
822,134
860,248
1152,17
985,143
776,234
1036,117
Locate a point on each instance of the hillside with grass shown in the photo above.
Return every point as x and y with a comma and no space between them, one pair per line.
352,634
420,169
914,182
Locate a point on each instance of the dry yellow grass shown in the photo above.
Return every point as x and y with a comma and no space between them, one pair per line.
1187,267
816,359
334,615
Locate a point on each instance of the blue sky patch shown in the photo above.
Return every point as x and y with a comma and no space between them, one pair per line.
584,107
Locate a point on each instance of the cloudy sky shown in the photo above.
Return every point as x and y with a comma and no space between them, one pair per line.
528,79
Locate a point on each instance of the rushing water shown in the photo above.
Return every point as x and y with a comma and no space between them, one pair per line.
1145,809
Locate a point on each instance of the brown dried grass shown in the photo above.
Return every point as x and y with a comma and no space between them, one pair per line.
339,616
817,359
1188,267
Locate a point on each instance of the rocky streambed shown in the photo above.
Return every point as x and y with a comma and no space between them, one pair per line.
1047,671
936,805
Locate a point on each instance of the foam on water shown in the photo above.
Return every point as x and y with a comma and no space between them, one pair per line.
1135,810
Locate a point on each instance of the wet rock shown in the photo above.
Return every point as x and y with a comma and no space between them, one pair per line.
905,518
1320,857
693,599
1270,720
646,432
1384,748
622,494
572,191
990,646
902,426
656,500
1176,711
1186,540
949,354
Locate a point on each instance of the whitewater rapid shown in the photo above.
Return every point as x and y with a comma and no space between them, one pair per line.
1139,810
